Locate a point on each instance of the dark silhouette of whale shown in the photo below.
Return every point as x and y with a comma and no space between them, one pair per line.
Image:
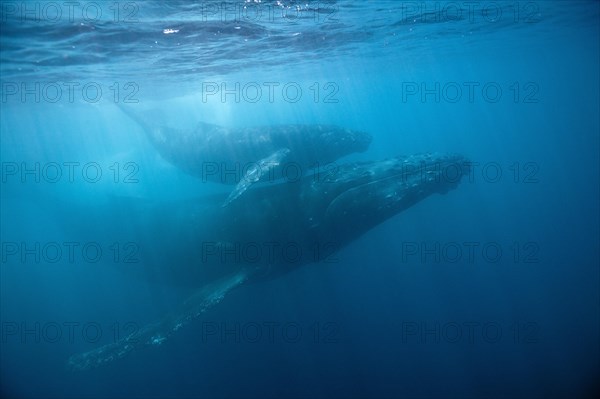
270,231
245,156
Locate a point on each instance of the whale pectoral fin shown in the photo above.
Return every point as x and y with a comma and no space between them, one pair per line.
256,172
156,333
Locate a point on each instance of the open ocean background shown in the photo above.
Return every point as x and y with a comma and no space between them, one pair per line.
524,325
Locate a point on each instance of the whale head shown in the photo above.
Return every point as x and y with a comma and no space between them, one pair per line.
356,197
341,140
318,144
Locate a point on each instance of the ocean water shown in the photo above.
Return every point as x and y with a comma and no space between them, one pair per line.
490,290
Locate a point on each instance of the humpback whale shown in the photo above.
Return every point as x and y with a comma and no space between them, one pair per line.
199,244
245,156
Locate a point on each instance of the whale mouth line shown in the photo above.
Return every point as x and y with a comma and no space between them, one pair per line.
396,177
393,186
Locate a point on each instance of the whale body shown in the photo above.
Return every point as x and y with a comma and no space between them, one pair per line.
245,156
266,233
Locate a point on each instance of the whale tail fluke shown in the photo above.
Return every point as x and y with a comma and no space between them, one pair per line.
156,333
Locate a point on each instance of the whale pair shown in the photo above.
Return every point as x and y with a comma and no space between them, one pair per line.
269,231
201,246
249,155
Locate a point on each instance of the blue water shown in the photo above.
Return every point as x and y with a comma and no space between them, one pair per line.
424,305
